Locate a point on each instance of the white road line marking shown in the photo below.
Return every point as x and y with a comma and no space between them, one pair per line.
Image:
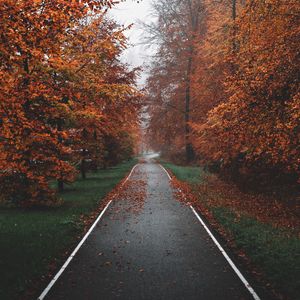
231,263
58,274
166,171
129,175
47,289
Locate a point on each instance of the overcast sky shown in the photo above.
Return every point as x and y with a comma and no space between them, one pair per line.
129,12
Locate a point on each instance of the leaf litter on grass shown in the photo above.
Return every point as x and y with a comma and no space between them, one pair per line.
265,209
214,194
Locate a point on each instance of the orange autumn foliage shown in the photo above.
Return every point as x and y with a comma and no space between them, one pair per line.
169,86
244,107
59,76
256,126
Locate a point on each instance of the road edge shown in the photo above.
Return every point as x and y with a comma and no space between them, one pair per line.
71,256
221,249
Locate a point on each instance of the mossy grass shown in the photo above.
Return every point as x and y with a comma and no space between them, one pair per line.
186,173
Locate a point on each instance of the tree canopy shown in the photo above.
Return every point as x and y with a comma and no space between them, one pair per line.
65,95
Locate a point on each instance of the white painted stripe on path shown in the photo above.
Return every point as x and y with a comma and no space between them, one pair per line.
231,263
166,171
67,262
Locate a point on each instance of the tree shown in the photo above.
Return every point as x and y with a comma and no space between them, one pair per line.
254,129
60,79
243,87
176,31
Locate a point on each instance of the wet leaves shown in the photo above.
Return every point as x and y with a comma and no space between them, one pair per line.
131,198
214,193
131,192
217,193
108,264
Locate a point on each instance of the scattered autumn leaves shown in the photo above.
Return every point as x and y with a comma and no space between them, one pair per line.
214,192
128,197
217,193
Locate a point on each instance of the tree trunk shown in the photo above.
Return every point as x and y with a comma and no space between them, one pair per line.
84,153
60,185
189,152
83,167
96,159
233,10
234,46
194,11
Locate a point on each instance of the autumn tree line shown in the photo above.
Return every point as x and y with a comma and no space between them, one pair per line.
224,85
67,102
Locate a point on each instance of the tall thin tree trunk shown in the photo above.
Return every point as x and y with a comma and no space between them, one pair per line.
194,11
83,164
96,160
189,153
60,183
234,45
83,168
233,10
234,39
83,155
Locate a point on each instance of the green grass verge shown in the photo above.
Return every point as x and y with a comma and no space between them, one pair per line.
187,174
30,239
274,251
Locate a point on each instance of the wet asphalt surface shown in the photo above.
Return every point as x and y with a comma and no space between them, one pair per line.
150,249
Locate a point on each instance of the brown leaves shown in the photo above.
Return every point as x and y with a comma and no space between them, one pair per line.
244,88
252,126
132,196
217,193
65,96
129,197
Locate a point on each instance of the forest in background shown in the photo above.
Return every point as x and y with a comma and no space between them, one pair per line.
222,96
223,88
68,104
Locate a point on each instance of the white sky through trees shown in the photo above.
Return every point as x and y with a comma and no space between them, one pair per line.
132,12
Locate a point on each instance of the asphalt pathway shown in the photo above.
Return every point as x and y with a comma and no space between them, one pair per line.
148,246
